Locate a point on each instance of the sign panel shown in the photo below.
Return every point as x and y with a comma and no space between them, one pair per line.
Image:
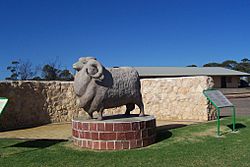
218,98
3,102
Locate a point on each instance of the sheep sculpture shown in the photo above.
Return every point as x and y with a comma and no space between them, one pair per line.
98,88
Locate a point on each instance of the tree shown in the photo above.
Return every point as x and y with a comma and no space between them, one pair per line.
50,72
243,66
230,64
26,71
66,75
193,65
37,78
213,64
14,69
21,70
245,60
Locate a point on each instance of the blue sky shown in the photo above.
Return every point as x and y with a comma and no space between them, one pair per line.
124,32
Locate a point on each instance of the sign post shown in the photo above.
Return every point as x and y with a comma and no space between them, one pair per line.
3,102
219,101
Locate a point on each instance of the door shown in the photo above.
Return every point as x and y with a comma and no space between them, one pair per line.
223,82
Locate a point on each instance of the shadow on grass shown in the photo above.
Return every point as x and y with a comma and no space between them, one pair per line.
6,129
40,143
162,132
32,146
237,126
224,116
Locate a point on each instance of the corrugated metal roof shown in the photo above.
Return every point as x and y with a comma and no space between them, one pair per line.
187,71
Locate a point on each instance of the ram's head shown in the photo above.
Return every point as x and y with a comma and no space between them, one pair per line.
91,66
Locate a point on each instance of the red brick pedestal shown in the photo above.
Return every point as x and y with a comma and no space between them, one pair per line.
114,133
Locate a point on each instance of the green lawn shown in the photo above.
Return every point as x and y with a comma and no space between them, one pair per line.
194,145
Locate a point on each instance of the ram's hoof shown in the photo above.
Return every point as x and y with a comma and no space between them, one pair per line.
127,113
141,115
99,118
89,117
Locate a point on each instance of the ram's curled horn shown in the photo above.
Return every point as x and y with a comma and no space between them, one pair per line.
84,60
77,66
94,69
81,62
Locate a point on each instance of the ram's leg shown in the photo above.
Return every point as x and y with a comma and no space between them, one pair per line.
90,115
141,106
100,112
129,107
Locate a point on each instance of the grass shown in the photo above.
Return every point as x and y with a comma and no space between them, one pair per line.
194,145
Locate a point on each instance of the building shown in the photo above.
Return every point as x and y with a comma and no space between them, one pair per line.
223,78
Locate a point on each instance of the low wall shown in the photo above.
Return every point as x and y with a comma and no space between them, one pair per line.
33,103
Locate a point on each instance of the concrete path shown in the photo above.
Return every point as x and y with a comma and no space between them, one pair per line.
242,107
232,93
63,131
50,131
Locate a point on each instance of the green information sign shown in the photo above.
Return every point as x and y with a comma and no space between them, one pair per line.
218,98
3,102
219,101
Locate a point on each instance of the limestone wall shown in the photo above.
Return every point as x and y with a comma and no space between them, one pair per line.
33,103
175,98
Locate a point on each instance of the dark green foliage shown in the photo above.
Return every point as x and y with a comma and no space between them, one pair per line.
66,75
37,78
245,60
193,65
243,66
14,69
50,72
212,65
21,70
230,64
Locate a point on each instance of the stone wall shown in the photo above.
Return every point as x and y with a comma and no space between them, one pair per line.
179,98
33,103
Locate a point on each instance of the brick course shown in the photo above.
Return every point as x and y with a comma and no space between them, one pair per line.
101,135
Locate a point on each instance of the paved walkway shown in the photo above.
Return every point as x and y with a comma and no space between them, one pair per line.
242,107
63,131
236,92
50,131
227,91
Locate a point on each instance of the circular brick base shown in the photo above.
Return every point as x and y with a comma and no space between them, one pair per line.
114,132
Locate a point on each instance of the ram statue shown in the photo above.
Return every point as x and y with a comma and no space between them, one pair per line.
98,88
